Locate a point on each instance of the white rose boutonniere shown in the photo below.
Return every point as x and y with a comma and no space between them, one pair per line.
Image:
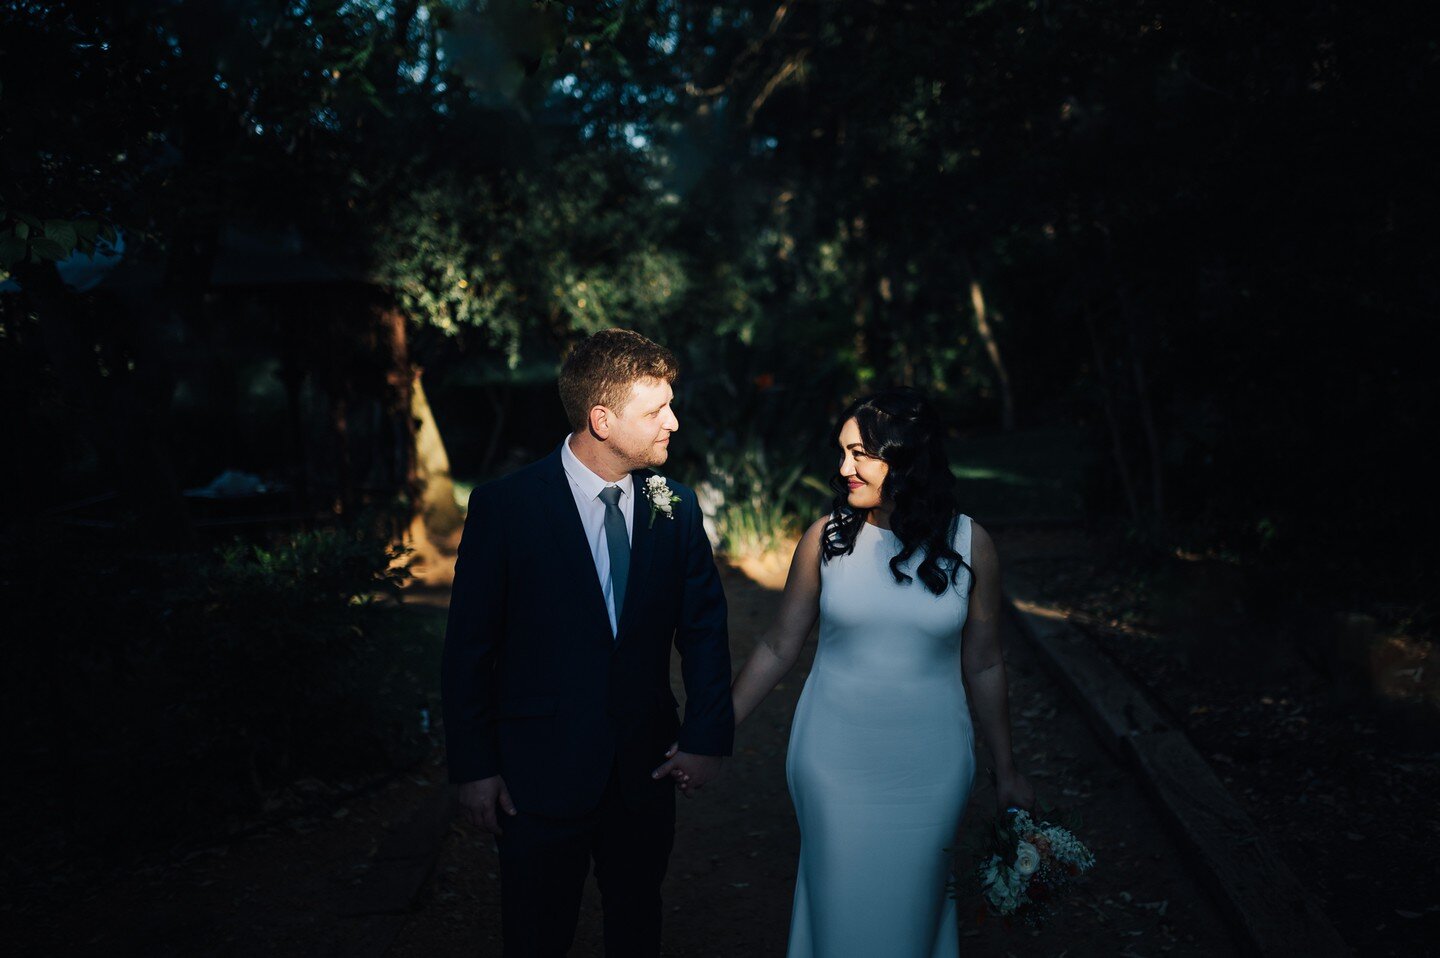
661,498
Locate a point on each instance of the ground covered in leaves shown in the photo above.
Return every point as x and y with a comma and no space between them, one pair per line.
1334,757
731,877
1348,801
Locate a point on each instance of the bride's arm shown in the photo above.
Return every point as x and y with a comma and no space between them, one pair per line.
983,663
779,646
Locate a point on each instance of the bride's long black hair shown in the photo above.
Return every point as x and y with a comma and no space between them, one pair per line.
899,427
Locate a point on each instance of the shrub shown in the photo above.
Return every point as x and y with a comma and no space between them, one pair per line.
188,687
274,626
752,506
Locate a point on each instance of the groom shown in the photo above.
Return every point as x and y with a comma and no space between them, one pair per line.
569,588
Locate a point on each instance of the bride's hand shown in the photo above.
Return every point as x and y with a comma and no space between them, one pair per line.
1014,791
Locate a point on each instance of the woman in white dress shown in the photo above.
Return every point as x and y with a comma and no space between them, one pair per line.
881,758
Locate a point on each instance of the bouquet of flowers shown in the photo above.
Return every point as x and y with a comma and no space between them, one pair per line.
1028,865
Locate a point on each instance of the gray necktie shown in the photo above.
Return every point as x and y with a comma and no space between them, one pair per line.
617,540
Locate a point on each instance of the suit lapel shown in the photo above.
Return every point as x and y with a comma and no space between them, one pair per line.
642,535
570,543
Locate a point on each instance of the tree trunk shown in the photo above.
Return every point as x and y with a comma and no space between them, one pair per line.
344,502
864,347
861,315
441,513
501,407
992,349
1112,419
1142,391
292,375
400,400
880,332
1147,416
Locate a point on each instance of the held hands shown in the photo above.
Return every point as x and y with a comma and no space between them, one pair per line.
479,799
690,772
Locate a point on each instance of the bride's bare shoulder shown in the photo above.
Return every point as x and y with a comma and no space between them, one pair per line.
809,544
982,547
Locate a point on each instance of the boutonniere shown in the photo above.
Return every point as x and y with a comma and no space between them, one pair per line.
661,498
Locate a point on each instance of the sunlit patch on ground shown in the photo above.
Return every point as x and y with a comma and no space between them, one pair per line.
767,570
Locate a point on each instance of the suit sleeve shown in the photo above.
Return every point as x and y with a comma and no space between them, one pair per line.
703,640
473,634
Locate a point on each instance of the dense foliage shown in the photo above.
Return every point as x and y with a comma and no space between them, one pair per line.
1196,230
188,689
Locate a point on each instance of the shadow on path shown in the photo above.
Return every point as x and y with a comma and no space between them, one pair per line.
295,888
729,889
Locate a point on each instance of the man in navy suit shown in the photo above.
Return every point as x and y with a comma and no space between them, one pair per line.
572,582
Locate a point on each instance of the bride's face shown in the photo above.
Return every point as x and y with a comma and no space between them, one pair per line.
862,472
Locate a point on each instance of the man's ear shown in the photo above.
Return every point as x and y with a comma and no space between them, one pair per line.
599,422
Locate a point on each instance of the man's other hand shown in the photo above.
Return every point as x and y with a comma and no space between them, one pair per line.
479,799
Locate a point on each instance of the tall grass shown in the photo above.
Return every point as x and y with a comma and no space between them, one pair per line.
753,506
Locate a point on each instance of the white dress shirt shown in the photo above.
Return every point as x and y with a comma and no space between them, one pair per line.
585,486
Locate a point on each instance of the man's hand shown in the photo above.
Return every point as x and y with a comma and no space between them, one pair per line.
478,799
690,772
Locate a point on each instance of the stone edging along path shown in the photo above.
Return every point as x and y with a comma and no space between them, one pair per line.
1269,912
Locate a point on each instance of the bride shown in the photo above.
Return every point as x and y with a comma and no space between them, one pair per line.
881,758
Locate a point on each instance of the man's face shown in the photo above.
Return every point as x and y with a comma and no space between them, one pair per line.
640,430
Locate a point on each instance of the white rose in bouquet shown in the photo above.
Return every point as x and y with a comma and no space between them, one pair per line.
1027,859
1029,867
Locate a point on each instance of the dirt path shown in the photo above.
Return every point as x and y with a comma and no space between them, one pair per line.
729,888
284,888
289,889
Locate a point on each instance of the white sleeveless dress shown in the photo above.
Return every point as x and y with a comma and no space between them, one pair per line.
881,759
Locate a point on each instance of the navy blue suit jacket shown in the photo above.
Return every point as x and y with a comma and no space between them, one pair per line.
537,689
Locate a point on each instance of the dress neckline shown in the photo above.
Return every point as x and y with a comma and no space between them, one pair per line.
891,532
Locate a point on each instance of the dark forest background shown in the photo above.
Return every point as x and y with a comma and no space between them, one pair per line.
1199,232
1169,268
